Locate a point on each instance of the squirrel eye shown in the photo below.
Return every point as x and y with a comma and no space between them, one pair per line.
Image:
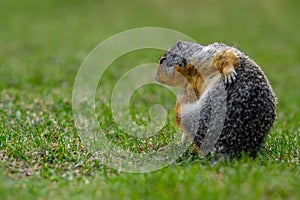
162,60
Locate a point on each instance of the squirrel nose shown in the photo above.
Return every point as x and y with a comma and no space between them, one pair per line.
159,77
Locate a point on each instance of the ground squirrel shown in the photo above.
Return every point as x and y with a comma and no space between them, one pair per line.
227,103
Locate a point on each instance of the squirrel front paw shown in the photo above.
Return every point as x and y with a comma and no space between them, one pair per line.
225,61
229,75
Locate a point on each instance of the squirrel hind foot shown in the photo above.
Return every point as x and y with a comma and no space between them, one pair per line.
226,61
186,139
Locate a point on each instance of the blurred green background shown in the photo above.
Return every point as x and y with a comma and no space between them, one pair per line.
42,45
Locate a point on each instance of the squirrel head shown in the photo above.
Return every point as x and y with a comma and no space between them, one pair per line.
174,64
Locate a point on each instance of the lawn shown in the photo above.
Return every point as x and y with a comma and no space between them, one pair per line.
43,44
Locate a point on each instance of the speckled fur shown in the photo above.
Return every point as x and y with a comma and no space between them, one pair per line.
245,108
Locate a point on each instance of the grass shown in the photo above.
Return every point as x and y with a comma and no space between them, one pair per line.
43,45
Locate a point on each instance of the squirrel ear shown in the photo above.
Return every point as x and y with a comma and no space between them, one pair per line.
182,63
